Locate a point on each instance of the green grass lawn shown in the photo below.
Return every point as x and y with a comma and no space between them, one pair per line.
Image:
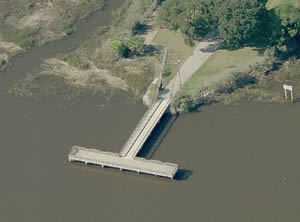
220,66
274,3
177,49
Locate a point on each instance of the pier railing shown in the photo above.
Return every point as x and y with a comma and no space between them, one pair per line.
137,131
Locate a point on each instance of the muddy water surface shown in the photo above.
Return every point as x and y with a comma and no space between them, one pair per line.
237,163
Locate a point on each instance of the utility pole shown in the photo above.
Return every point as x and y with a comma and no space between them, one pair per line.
178,72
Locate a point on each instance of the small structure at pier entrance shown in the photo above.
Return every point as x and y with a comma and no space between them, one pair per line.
288,88
127,158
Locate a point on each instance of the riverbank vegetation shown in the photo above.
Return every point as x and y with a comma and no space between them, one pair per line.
242,68
26,23
244,54
103,51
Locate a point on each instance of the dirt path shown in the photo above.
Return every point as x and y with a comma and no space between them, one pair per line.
151,29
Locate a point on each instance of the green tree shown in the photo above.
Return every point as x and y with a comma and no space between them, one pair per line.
240,21
136,45
172,14
120,48
200,19
289,39
237,21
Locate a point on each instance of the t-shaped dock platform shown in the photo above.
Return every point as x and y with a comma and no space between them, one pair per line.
126,159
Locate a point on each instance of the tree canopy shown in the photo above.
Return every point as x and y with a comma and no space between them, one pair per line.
238,22
289,37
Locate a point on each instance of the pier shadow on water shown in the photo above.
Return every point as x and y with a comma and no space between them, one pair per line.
155,139
183,174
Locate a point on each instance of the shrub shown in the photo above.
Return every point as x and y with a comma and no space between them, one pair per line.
136,45
120,48
75,60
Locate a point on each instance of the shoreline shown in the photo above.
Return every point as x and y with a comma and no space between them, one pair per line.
45,40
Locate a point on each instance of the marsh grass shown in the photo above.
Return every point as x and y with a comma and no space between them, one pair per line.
45,88
137,71
62,15
24,38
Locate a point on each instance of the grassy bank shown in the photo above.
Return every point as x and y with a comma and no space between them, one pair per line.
220,66
242,75
30,22
177,50
98,64
26,23
261,83
137,71
269,89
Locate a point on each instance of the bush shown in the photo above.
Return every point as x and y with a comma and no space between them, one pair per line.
240,80
120,48
167,72
288,42
75,60
136,45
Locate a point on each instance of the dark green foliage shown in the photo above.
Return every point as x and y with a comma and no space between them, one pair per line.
172,14
237,21
120,48
193,18
138,27
240,80
288,42
200,19
136,45
241,21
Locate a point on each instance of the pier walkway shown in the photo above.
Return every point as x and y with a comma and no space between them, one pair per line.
144,128
127,158
114,160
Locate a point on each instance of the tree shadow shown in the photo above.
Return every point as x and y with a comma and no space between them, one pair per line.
268,33
141,29
210,48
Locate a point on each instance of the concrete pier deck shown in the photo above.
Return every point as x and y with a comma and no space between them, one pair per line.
126,159
144,129
113,160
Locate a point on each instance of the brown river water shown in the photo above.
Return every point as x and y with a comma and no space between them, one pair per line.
237,163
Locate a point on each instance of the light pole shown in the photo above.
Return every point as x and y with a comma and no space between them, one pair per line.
178,72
